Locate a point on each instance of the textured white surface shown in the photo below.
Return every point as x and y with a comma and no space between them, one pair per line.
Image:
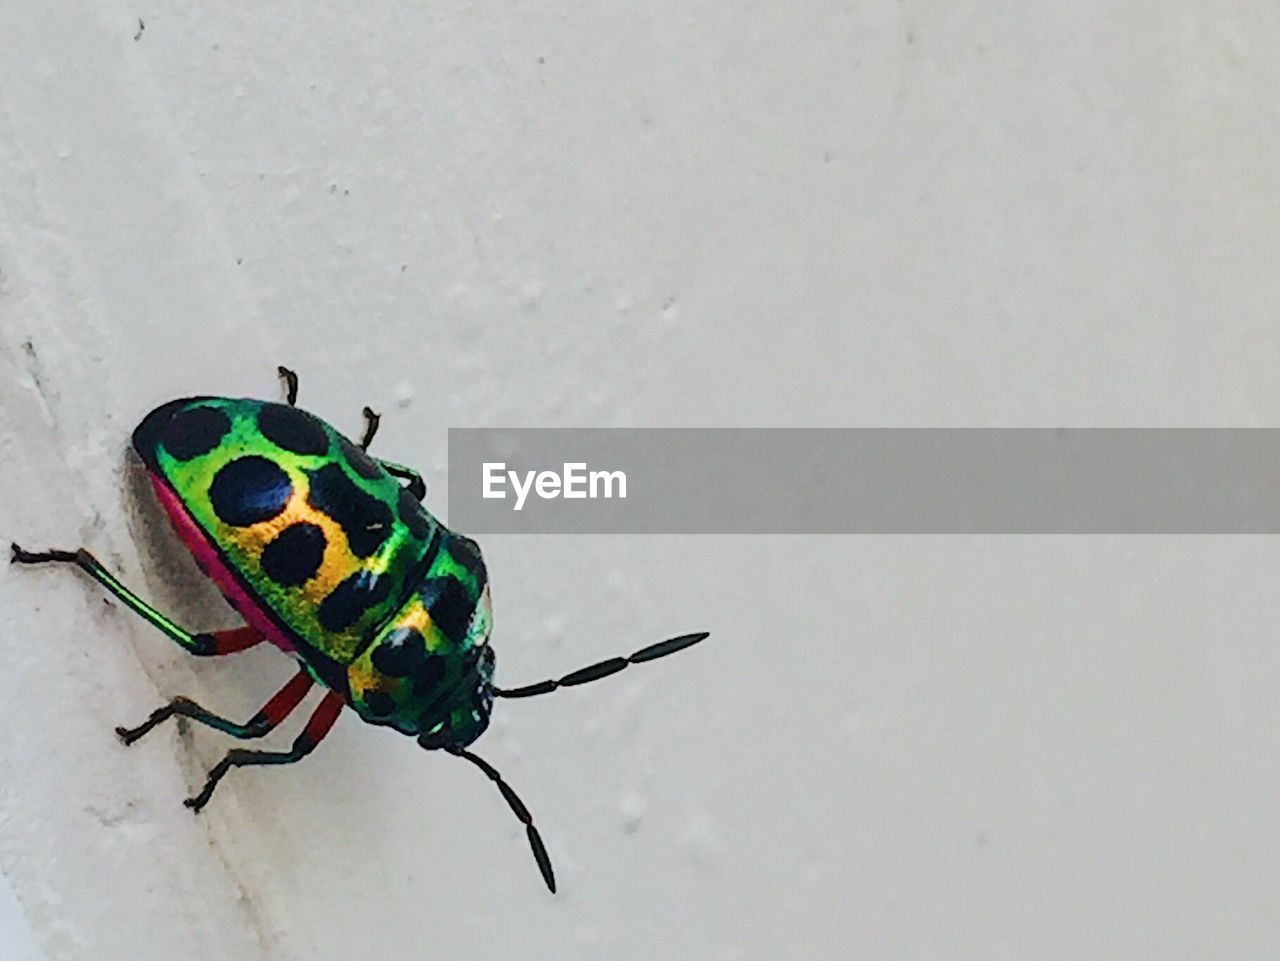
16,936
886,213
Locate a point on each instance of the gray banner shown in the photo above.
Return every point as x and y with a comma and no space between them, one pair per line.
864,481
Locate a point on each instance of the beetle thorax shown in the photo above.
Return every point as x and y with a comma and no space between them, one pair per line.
429,669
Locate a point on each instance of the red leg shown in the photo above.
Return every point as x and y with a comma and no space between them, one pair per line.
321,723
281,704
272,713
229,641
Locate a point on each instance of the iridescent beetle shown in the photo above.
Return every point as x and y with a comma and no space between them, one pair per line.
325,554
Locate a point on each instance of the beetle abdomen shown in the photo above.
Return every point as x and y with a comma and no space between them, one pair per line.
319,537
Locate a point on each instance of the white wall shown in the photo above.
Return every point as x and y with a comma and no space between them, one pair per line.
897,212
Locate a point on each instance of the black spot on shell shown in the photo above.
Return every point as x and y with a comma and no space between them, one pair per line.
292,429
427,678
194,431
413,515
295,554
467,553
362,463
249,490
378,703
449,605
350,599
364,519
146,436
400,653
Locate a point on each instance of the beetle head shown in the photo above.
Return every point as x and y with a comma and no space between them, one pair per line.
464,710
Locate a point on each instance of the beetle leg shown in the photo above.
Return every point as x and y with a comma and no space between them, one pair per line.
321,721
416,486
371,422
290,380
262,723
235,639
203,644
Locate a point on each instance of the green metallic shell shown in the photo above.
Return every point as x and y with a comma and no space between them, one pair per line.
377,598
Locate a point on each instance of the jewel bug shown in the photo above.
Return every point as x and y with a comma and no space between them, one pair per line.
327,553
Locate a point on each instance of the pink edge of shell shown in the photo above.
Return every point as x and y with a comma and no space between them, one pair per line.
207,557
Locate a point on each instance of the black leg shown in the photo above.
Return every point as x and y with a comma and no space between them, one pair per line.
261,724
290,385
417,487
319,725
371,422
202,644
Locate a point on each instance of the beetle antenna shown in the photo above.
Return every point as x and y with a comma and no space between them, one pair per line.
517,806
612,666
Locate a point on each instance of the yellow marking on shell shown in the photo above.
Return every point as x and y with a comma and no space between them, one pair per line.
338,561
416,616
362,675
363,679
